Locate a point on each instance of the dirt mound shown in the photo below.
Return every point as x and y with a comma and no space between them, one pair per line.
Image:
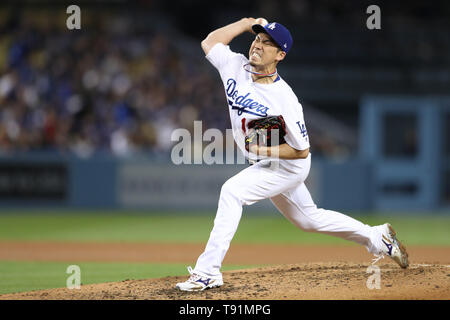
292,281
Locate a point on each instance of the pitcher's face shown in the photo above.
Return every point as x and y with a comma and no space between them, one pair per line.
264,51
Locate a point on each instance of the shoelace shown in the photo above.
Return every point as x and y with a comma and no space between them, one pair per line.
194,277
377,258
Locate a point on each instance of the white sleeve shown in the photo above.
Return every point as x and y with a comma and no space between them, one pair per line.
296,133
221,55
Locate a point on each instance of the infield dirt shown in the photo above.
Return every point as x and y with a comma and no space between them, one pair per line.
296,272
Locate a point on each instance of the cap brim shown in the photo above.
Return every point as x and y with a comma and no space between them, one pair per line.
257,28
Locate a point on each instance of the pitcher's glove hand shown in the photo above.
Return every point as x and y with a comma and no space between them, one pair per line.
262,132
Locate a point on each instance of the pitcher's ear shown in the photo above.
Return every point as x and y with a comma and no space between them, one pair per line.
281,55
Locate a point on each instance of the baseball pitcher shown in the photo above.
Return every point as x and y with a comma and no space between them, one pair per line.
258,98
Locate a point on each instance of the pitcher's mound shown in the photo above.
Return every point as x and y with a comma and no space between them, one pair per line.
291,281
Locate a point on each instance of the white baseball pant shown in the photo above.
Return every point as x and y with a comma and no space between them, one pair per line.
286,189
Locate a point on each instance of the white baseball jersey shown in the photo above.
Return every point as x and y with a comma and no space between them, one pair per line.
249,100
284,186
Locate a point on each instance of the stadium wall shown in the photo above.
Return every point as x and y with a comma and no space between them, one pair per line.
104,182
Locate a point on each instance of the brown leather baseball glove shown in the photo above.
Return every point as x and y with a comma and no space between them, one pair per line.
262,132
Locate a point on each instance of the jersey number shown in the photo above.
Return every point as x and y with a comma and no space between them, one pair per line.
243,125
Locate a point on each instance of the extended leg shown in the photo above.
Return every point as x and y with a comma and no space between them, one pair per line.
297,205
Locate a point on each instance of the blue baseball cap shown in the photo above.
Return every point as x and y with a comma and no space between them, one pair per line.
279,33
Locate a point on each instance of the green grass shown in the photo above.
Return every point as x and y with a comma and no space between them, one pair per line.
27,276
71,227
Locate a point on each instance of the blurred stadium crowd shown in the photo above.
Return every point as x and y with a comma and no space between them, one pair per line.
109,86
101,88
